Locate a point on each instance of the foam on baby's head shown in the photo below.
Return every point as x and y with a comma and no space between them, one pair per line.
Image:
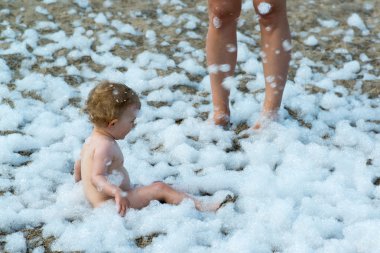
107,101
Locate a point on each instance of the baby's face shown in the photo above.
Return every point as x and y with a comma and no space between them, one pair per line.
126,122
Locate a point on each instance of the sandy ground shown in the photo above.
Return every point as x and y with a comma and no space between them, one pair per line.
302,17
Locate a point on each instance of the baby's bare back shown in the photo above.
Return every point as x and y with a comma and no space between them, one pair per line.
114,170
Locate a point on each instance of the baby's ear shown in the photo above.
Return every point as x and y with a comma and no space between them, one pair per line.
112,123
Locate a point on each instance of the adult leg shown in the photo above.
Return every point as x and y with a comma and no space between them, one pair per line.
221,50
275,46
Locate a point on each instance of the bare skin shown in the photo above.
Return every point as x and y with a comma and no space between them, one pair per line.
275,45
104,177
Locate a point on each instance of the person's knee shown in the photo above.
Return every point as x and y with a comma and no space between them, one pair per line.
224,10
160,191
270,12
159,186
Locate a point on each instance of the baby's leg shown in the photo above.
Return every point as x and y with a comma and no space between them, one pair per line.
141,196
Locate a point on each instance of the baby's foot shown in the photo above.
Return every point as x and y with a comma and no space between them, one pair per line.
208,207
229,199
218,200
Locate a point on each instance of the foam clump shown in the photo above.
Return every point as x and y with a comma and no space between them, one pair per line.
15,242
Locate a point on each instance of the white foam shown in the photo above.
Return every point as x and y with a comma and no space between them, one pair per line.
15,242
101,19
264,8
216,22
192,66
311,41
303,184
356,21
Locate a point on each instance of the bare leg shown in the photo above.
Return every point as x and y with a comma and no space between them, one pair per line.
275,45
221,51
140,197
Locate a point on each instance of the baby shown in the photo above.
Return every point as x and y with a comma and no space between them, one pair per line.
112,108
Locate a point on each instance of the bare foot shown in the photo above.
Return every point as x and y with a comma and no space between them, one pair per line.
221,118
265,119
207,207
218,200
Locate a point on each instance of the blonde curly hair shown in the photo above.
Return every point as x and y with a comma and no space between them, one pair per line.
107,101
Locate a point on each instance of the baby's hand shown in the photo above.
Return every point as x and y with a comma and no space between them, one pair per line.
122,202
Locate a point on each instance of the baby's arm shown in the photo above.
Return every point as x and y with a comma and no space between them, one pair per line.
102,159
126,183
77,174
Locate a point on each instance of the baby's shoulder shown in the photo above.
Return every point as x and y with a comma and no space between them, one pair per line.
104,146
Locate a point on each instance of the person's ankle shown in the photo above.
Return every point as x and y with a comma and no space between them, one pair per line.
221,118
270,114
266,117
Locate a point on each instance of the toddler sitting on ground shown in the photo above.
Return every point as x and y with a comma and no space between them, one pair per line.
112,108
